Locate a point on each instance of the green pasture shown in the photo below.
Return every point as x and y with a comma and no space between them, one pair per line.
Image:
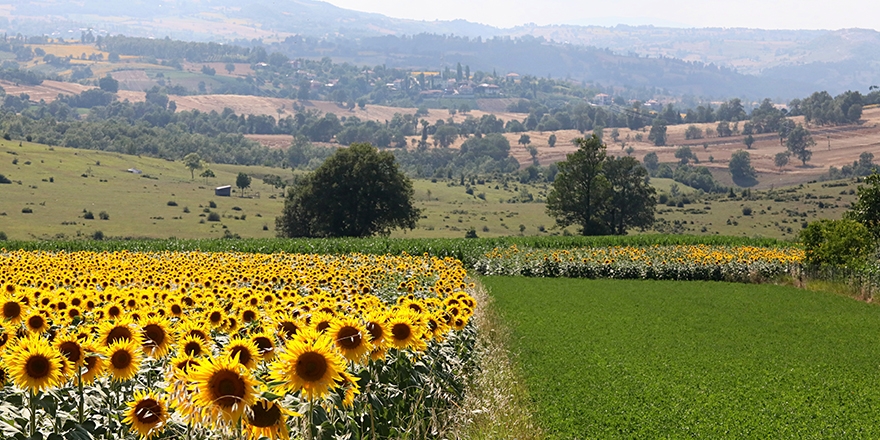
658,359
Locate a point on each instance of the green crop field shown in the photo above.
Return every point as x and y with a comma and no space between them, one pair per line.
657,359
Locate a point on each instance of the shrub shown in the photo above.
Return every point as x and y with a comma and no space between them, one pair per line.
3,236
172,203
4,179
98,235
88,215
213,217
103,215
186,209
27,210
747,210
837,243
211,204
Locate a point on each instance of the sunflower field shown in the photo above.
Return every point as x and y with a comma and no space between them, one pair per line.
226,345
657,262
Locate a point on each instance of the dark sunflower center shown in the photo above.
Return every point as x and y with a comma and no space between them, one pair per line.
432,325
416,308
349,338
36,322
311,366
148,412
114,311
91,362
11,310
185,365
192,348
323,325
227,388
118,334
242,353
199,334
289,328
401,331
262,417
38,367
121,359
71,351
263,343
176,310
216,317
459,322
155,334
375,331
248,316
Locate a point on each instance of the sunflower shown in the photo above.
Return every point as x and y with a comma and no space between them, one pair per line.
244,351
124,359
70,348
34,364
189,328
36,322
265,343
194,346
13,311
146,414
320,321
182,364
156,338
350,337
249,314
215,317
436,327
115,331
222,388
308,364
93,361
266,419
405,329
377,323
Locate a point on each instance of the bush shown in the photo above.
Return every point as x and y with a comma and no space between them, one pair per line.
747,210
172,203
837,243
98,235
103,215
88,215
3,236
211,204
213,217
4,179
186,209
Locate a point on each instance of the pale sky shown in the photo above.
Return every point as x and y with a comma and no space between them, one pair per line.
765,14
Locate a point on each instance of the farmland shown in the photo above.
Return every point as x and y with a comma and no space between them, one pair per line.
649,359
52,186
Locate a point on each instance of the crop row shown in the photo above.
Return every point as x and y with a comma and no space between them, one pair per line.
682,262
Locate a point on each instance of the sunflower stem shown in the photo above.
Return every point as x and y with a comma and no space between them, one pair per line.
80,404
33,404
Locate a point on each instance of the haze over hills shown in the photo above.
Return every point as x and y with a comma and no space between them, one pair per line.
781,64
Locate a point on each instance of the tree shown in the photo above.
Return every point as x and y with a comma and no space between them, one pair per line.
781,159
866,210
799,142
749,141
603,195
108,84
551,141
445,135
651,162
658,133
741,170
206,174
693,132
230,67
684,154
194,162
356,192
524,140
785,128
243,181
837,243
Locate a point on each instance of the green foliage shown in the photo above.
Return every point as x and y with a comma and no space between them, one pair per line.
837,243
697,177
108,84
242,181
741,169
194,162
658,133
798,142
671,359
866,210
601,195
357,192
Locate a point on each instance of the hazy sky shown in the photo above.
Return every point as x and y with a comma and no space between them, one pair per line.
766,14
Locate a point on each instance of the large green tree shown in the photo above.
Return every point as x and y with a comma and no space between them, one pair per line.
601,195
799,142
194,162
356,192
866,210
657,135
741,169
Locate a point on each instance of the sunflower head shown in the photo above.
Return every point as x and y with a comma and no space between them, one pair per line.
34,364
146,414
265,343
350,337
222,388
93,362
312,365
266,419
405,328
123,359
244,351
156,337
115,331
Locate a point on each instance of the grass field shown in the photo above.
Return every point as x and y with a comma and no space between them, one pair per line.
629,359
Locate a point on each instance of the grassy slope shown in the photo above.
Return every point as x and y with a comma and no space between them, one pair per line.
630,359
134,202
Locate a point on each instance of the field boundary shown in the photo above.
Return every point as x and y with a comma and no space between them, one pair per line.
496,403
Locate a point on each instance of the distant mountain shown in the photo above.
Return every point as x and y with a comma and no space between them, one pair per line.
774,63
